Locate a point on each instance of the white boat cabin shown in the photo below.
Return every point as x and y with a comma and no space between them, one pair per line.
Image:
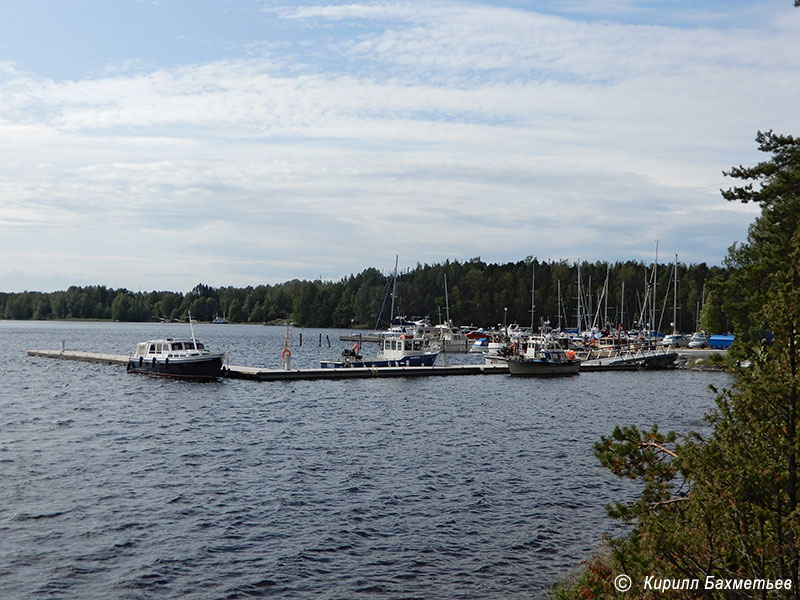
404,345
169,348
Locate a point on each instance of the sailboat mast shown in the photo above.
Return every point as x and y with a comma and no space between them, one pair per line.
446,301
675,298
605,291
394,287
533,287
558,307
655,284
579,298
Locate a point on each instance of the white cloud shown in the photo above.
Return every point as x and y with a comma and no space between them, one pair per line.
435,132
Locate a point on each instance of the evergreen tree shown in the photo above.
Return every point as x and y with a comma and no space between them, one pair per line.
727,506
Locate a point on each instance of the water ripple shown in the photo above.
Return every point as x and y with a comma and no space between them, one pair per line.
130,487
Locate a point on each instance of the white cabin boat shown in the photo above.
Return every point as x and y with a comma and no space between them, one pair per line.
177,358
398,350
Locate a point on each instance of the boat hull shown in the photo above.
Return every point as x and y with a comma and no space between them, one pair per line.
205,368
420,360
630,361
542,368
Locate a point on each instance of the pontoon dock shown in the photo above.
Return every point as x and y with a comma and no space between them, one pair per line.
264,374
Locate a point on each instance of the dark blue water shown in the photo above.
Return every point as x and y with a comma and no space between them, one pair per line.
125,486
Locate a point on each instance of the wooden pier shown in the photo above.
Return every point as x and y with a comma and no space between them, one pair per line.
262,374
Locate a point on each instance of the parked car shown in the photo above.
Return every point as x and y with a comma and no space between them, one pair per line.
677,340
699,340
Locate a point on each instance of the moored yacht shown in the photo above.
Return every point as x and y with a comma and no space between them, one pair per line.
184,358
399,350
178,358
536,356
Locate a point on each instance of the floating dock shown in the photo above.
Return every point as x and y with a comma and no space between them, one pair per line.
262,374
95,357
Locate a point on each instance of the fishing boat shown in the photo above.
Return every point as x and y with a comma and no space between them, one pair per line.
402,350
183,358
536,356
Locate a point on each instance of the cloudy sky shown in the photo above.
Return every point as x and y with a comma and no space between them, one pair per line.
159,144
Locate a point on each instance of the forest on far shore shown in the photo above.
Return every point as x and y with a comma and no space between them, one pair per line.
478,293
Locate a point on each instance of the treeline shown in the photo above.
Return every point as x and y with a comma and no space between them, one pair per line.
478,293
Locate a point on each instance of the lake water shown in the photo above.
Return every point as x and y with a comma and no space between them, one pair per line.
117,485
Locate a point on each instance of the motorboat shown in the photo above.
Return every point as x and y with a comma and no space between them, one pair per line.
179,358
400,350
536,356
450,339
184,358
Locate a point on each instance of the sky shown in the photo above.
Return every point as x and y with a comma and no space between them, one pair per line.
155,145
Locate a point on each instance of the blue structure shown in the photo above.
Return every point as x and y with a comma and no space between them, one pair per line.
720,342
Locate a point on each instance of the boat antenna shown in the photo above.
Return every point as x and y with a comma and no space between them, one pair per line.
191,327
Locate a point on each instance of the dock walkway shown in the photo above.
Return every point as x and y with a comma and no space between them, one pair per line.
262,374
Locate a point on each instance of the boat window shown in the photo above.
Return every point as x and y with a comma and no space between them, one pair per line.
408,345
159,348
417,345
199,346
152,349
177,346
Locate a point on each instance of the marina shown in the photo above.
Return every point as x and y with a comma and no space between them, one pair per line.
264,374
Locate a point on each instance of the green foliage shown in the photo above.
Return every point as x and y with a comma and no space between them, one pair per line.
727,505
478,293
758,268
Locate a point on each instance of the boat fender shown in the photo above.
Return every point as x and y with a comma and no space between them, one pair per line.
141,359
128,367
154,361
166,362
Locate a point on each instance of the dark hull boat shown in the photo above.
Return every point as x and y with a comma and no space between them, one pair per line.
199,369
425,360
542,367
180,359
536,356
